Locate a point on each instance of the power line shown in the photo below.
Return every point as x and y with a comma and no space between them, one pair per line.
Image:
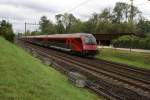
139,4
32,23
75,7
25,25
86,1
13,18
146,14
142,3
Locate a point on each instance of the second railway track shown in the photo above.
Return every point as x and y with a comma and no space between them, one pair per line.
132,79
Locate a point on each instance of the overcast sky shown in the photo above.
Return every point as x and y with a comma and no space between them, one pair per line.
20,11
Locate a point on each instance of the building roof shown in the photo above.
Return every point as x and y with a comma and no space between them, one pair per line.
109,36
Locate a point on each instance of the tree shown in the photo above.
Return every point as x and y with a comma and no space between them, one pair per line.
104,23
27,33
6,30
114,20
144,25
59,26
78,27
46,26
92,23
121,12
67,20
106,15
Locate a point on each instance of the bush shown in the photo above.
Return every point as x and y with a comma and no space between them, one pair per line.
134,42
6,30
122,42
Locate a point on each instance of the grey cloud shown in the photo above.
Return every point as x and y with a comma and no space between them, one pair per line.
11,16
20,10
34,5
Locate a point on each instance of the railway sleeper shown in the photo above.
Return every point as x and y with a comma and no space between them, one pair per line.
77,79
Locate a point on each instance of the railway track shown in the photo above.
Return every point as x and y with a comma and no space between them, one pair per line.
109,77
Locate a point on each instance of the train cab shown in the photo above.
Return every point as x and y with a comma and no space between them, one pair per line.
89,44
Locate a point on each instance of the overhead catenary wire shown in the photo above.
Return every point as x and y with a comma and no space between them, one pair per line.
14,19
142,3
18,23
75,7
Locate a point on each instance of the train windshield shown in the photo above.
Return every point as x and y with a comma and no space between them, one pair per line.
89,39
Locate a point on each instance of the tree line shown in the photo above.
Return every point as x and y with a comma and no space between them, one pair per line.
109,20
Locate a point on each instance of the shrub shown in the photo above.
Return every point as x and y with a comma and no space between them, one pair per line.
6,30
134,42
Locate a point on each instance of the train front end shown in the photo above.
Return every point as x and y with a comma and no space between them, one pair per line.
89,45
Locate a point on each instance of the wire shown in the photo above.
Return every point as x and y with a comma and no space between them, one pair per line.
13,18
142,3
20,23
32,23
75,7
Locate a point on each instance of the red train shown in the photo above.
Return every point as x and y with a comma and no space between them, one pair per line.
81,43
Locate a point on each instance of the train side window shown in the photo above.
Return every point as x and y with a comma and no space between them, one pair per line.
38,39
78,39
61,41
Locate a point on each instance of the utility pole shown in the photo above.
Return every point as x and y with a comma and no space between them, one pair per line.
131,12
131,22
25,28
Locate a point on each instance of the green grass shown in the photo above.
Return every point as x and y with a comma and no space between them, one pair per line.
135,59
23,77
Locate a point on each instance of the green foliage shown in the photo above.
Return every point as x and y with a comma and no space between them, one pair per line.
65,22
123,41
113,21
133,41
121,12
27,33
26,78
6,30
78,27
135,59
59,26
144,25
110,20
36,33
46,26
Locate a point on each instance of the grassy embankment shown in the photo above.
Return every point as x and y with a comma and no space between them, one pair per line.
23,77
141,60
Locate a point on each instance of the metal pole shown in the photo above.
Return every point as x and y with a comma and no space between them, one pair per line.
131,13
130,42
25,28
131,22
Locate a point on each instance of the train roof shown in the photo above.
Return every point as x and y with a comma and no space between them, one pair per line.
77,35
